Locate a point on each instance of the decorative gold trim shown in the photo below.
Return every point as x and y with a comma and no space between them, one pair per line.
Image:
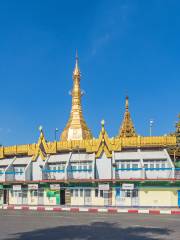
41,148
88,145
104,144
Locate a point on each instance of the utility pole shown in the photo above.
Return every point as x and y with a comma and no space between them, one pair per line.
151,122
55,134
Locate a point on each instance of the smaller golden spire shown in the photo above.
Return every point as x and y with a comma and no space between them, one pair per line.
127,128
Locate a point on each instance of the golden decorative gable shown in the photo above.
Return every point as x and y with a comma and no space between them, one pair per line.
104,145
41,148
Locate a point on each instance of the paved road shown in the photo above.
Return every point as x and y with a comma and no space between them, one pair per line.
26,225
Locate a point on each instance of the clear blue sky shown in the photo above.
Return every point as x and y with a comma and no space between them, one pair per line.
125,48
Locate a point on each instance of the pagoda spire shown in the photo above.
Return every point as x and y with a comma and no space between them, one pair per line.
177,133
127,128
76,128
76,69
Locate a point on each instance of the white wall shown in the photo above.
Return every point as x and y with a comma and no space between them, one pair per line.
28,175
36,169
103,167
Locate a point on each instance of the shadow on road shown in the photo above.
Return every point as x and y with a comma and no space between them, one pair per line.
96,230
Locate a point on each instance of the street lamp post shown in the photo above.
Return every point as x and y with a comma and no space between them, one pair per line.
55,134
151,122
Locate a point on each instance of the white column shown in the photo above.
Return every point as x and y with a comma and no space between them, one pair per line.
66,166
113,163
172,172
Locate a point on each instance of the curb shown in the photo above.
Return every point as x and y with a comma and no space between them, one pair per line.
92,210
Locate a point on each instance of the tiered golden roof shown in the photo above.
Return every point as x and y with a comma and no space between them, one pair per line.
99,145
76,128
127,128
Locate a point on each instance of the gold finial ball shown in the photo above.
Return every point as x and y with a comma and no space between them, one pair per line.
102,125
102,122
40,128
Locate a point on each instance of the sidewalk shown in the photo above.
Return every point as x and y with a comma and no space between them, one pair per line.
110,210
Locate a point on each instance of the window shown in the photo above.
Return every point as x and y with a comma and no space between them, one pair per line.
117,192
122,166
76,192
135,193
163,165
96,192
127,193
151,165
71,192
18,170
21,171
33,193
73,167
157,165
87,193
81,192
116,165
12,193
128,165
90,166
101,193
146,165
134,165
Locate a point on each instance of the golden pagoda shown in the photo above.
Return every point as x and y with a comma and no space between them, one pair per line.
76,128
177,133
127,128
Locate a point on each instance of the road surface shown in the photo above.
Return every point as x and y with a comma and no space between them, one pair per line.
27,225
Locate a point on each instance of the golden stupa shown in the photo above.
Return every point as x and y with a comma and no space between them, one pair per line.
76,128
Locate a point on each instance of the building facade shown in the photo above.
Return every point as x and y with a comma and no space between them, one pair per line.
126,170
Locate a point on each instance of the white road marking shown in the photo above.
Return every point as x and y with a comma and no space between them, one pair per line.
145,226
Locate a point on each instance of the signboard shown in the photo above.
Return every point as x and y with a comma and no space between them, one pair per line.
55,186
104,187
33,186
17,187
127,186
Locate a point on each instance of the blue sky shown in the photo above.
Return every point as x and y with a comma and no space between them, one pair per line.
125,48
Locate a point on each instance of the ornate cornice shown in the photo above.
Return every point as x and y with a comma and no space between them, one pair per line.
99,145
